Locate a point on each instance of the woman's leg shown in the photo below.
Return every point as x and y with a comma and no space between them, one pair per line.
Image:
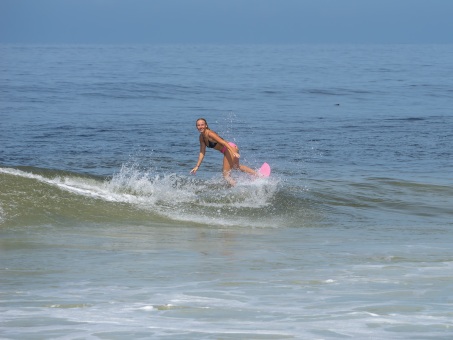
243,168
228,164
246,169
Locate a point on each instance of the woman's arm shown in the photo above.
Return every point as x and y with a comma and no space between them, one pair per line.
200,156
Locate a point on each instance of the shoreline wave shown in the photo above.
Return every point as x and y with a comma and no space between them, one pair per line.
135,195
138,196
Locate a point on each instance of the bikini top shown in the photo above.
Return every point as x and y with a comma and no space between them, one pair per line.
211,144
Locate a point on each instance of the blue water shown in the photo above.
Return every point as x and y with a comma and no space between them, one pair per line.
105,235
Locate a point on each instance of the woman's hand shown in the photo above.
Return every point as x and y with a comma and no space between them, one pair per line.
194,170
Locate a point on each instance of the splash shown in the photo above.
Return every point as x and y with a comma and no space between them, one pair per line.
189,199
151,188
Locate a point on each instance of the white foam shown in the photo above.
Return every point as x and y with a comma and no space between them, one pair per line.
77,185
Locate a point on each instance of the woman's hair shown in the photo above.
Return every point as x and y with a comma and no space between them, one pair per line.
204,120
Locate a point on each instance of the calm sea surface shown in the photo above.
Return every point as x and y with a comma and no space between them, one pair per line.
105,235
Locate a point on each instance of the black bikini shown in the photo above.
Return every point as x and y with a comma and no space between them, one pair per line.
211,144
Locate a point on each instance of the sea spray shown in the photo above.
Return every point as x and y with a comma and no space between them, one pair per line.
189,199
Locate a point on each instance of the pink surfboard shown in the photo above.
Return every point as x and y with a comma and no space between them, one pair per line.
265,170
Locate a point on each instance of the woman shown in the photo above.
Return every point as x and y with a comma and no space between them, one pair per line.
210,139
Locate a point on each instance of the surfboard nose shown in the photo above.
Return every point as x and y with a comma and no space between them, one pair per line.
265,170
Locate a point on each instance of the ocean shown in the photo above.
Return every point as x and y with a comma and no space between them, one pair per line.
104,234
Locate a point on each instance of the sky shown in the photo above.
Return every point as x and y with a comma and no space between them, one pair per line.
226,21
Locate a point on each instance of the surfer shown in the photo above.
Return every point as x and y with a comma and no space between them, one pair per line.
210,139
